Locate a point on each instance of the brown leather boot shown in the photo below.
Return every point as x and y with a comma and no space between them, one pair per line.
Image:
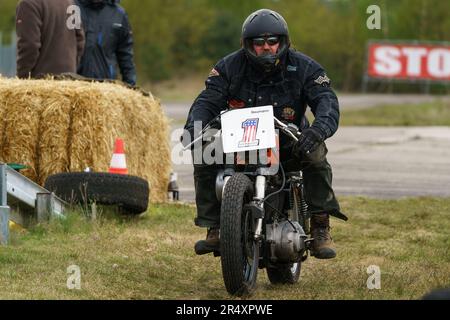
322,246
211,244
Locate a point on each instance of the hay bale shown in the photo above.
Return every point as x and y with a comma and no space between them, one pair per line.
65,126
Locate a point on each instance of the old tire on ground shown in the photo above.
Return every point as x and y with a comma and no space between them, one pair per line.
130,193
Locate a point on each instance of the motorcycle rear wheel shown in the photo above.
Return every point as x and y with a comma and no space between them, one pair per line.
238,250
284,274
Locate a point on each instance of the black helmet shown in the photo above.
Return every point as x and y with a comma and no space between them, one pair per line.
265,22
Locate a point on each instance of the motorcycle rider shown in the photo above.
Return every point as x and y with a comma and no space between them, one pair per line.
266,71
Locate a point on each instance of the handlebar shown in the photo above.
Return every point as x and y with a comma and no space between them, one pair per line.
290,130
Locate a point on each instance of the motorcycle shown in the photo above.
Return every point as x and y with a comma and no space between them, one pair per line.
264,219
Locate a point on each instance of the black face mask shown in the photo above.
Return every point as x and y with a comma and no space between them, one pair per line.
267,63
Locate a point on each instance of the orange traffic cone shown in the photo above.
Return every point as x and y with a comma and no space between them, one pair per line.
118,163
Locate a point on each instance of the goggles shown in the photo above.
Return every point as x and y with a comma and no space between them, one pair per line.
260,41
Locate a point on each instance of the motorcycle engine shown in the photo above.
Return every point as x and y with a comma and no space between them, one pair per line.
286,241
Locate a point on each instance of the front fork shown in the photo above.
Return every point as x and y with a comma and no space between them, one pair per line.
260,190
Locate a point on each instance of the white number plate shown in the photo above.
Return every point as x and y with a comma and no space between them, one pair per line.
248,129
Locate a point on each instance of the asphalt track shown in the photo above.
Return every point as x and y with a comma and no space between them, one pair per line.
379,162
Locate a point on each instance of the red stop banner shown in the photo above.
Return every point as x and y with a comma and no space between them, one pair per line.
409,61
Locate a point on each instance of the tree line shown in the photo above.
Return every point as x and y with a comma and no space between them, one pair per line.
178,37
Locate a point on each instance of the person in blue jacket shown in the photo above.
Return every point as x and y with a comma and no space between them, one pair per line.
109,41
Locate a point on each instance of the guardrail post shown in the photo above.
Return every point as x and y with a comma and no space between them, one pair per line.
45,205
4,209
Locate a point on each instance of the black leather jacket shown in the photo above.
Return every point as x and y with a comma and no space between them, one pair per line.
298,81
109,42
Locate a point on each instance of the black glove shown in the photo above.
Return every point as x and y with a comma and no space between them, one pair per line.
309,141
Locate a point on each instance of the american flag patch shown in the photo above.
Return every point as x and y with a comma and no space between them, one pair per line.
250,127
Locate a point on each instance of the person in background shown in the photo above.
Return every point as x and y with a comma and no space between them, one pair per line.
46,42
109,41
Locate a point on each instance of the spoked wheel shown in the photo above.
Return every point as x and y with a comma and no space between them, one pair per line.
238,249
288,273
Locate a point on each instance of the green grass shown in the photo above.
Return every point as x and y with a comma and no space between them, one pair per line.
427,114
152,257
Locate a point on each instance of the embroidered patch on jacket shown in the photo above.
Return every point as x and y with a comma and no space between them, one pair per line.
236,104
323,80
288,114
214,73
291,68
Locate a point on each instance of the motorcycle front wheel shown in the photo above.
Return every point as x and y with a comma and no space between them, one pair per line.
238,250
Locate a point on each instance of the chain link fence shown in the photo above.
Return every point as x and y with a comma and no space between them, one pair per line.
8,56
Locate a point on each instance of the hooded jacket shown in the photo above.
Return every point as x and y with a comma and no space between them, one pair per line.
46,43
109,41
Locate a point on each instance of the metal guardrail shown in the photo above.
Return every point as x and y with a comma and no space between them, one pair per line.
4,208
23,201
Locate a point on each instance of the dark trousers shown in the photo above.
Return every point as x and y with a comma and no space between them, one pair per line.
317,175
